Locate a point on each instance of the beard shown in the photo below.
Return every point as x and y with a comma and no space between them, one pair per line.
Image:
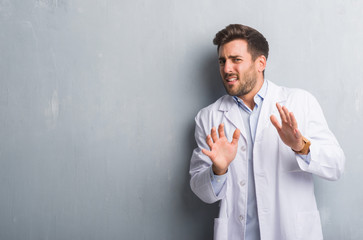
246,83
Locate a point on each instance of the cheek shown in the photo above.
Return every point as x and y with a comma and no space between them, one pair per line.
241,71
221,71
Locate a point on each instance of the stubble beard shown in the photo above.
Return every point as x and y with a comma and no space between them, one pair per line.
246,84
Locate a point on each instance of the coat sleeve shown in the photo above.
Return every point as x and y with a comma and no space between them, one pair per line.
200,165
327,157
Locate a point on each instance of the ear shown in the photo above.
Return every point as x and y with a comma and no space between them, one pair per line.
261,63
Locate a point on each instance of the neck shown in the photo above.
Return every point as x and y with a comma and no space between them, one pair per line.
248,99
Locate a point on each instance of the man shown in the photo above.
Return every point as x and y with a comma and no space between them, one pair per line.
258,166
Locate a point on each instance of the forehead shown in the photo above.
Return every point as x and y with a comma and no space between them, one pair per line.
238,47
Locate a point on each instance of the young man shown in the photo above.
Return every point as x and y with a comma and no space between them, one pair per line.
260,167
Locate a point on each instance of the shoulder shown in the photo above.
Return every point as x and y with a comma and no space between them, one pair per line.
215,109
216,105
291,94
301,97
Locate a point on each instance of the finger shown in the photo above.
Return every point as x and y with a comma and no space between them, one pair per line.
287,114
275,122
236,136
293,120
207,153
209,141
221,130
214,134
282,114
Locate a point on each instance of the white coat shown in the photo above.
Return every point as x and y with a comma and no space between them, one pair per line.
284,183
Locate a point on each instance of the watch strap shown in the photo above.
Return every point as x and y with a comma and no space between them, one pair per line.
305,150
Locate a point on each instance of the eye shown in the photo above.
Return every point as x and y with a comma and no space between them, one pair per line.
237,60
222,62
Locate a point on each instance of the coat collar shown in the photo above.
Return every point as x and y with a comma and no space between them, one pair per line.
274,94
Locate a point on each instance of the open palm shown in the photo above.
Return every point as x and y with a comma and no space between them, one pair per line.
222,152
288,129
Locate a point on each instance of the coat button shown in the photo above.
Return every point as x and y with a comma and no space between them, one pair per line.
243,148
241,218
242,183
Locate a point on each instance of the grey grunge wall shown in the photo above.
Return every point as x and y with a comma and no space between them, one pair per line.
98,99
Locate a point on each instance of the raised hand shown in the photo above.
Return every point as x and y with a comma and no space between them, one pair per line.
221,151
288,131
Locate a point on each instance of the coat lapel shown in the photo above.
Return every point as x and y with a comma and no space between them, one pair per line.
274,94
231,110
232,114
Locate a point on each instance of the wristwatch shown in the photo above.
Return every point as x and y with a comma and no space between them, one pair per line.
305,150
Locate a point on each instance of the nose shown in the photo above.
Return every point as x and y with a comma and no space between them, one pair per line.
227,68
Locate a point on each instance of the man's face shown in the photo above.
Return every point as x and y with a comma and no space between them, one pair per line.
237,68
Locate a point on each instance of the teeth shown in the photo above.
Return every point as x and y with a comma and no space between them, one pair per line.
231,79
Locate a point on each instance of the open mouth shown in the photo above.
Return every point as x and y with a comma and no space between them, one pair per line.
231,79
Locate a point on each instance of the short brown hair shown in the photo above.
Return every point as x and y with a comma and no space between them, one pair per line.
257,44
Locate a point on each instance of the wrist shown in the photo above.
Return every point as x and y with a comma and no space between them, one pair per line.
218,171
305,147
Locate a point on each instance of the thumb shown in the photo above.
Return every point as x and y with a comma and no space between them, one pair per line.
206,152
275,122
236,136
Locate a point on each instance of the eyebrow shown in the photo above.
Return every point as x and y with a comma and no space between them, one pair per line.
231,56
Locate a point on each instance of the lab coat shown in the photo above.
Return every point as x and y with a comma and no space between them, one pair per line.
286,202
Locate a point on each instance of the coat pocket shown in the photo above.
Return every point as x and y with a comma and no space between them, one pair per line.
308,226
221,229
